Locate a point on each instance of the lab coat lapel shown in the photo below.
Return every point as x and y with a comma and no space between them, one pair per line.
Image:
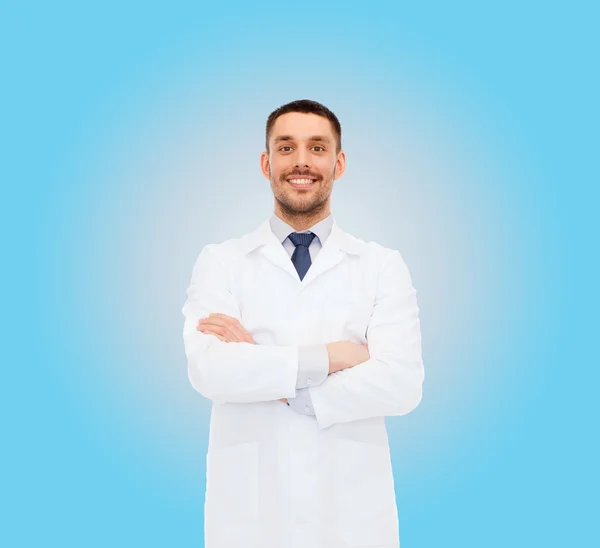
329,256
333,251
266,244
275,253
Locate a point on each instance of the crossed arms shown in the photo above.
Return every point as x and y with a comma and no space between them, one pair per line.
388,382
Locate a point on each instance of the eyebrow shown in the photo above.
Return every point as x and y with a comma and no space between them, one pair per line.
320,138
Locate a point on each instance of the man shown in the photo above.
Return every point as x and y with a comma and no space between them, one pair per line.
304,338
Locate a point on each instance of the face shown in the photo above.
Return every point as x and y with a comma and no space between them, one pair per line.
302,146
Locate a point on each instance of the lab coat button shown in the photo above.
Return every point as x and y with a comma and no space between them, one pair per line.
307,409
309,381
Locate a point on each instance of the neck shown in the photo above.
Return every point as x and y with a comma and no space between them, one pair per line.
301,220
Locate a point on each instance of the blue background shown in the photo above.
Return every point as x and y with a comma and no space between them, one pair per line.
131,134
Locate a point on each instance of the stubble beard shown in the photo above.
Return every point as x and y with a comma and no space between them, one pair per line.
298,206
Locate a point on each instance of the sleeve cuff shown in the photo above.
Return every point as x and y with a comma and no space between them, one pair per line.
313,365
302,403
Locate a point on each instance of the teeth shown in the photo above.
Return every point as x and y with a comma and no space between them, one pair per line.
301,181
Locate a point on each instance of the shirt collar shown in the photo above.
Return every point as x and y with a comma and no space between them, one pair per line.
335,236
282,230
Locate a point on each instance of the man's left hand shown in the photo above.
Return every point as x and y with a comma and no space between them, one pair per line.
226,329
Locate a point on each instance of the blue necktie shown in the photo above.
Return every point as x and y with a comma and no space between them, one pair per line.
301,255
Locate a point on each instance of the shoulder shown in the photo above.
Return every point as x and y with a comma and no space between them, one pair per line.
224,256
374,253
384,266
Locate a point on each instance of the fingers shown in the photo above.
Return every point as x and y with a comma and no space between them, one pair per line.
211,330
236,328
219,330
227,327
220,326
246,335
216,331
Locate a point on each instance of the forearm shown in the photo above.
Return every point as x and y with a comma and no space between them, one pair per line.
238,371
390,382
379,387
230,371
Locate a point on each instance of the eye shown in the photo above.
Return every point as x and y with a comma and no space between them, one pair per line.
317,146
284,147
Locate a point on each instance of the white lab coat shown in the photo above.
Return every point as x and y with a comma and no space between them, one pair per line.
277,478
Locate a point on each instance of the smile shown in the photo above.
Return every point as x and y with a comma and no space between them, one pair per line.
301,183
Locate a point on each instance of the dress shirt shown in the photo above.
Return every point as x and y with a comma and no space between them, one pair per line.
313,360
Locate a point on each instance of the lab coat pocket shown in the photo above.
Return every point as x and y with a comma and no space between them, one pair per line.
231,506
367,513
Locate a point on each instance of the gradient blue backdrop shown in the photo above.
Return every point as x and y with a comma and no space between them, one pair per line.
131,134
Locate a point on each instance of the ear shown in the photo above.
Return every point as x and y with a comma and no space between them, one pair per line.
340,165
264,164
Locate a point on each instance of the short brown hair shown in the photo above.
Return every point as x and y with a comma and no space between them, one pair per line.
309,107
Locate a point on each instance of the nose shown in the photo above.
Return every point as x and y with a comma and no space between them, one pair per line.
301,158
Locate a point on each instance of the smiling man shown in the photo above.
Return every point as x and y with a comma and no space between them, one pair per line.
304,338
302,164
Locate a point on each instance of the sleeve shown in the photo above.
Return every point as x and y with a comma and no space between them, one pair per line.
313,365
390,381
313,368
230,372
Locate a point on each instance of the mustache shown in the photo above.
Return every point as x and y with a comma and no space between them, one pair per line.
306,174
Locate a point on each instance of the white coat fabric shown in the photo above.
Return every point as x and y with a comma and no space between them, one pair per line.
277,478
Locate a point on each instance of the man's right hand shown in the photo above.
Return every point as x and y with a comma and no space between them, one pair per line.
345,354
